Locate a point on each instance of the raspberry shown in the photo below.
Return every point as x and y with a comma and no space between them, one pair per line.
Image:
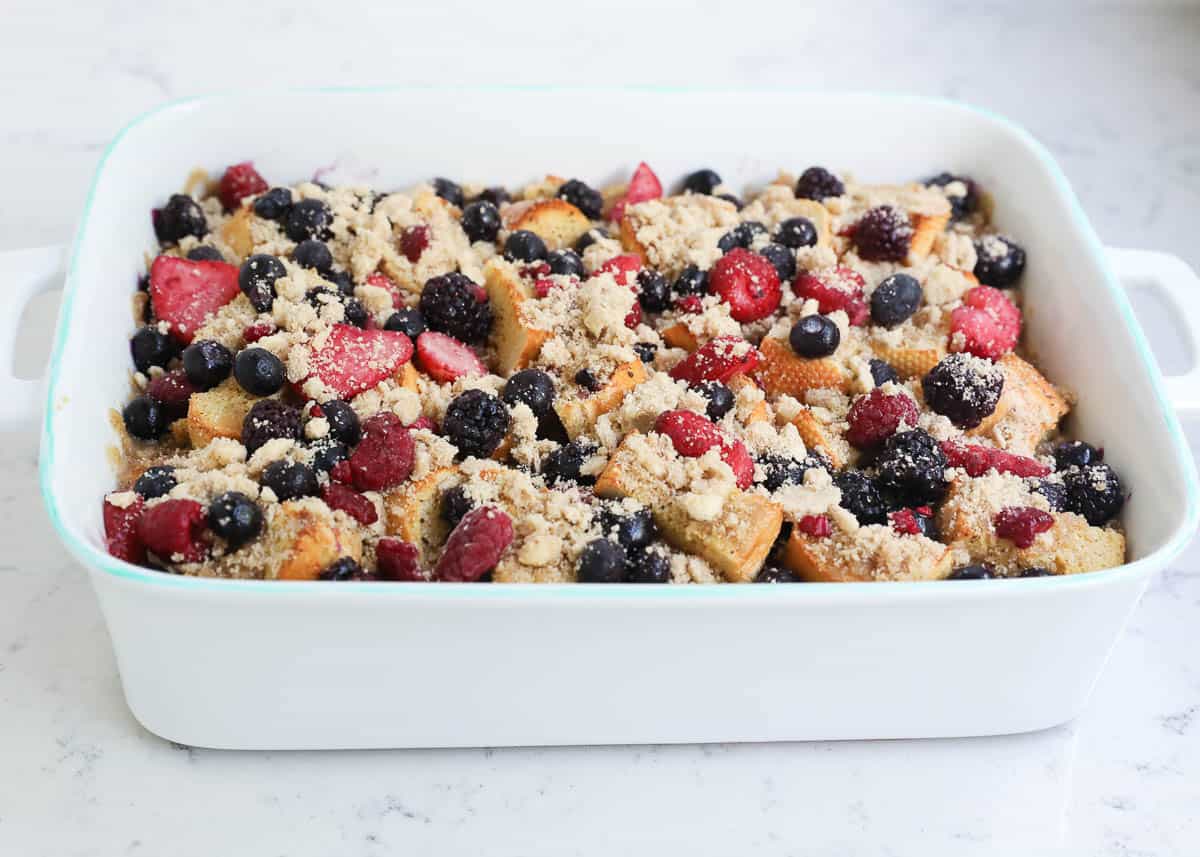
876,416
624,269
358,507
817,526
634,316
963,388
690,304
269,419
734,453
121,531
843,289
413,242
692,435
475,545
342,472
384,457
398,560
643,185
383,281
172,529
172,389
818,183
987,325
747,282
422,422
450,303
978,460
1021,524
718,360
476,423
257,331
883,235
905,523
444,358
238,182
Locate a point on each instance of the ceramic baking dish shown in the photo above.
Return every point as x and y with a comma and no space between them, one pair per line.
312,665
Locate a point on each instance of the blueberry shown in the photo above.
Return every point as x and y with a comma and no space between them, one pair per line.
654,292
1075,453
145,418
779,470
742,235
882,372
345,569
407,321
455,503
257,277
691,281
269,419
204,253
207,363
774,574
326,452
647,566
155,481
602,561
895,300
782,260
481,221
963,388
450,304
564,464
702,181
1036,571
354,312
796,232
290,479
274,204
586,199
309,218
720,399
450,191
151,347
911,467
971,572
587,379
313,254
999,261
495,195
342,281
590,237
815,336
566,262
524,246
1095,492
235,517
630,529
259,371
818,183
861,497
532,387
961,204
181,216
645,351
476,422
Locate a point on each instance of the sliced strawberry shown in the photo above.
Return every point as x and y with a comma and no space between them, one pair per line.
240,181
172,530
443,358
185,293
383,281
475,545
692,435
624,269
747,282
842,289
735,454
338,496
718,360
634,317
398,560
987,325
643,185
121,531
352,360
978,460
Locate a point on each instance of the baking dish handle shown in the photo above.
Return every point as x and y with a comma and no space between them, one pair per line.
23,274
1178,283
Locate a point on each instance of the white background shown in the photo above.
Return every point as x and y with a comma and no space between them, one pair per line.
1114,92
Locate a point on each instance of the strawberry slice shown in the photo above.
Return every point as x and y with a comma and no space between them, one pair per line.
383,281
238,182
718,360
352,360
987,325
624,269
978,460
692,435
121,531
185,293
443,358
643,185
747,282
842,289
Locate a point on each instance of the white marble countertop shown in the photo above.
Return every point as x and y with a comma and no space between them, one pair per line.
1115,94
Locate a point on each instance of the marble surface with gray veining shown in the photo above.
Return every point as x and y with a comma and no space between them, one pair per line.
1115,93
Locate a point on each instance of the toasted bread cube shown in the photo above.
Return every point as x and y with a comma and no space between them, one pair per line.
926,229
629,475
515,342
303,539
413,512
784,371
821,437
756,413
218,412
628,236
236,232
679,335
885,555
555,221
1073,546
909,362
736,544
407,376
1029,408
579,415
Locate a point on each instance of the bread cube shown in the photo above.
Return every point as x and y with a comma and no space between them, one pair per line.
303,539
578,415
784,371
515,341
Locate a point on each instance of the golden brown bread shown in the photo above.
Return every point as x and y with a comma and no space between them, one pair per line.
886,556
783,371
301,541
1029,408
412,512
236,232
218,412
514,341
579,415
555,221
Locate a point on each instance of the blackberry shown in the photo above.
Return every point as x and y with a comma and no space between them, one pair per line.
818,183
327,452
587,379
343,421
882,372
691,281
645,351
354,312
962,204
971,572
181,216
564,463
779,470
590,237
602,561
630,529
702,181
313,254
455,503
912,467
204,253
1055,493
775,574
524,246
782,260
476,422
1075,453
796,232
481,221
566,262
495,195
408,321
647,566
999,261
815,336
532,387
235,517
963,388
895,300
742,235
290,480
720,399
309,218
274,204
449,304
586,199
883,234
207,363
861,497
145,418
151,347
654,292
269,419
345,569
257,277
1095,492
155,481
450,191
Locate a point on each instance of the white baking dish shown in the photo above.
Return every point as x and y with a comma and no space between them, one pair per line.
311,665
